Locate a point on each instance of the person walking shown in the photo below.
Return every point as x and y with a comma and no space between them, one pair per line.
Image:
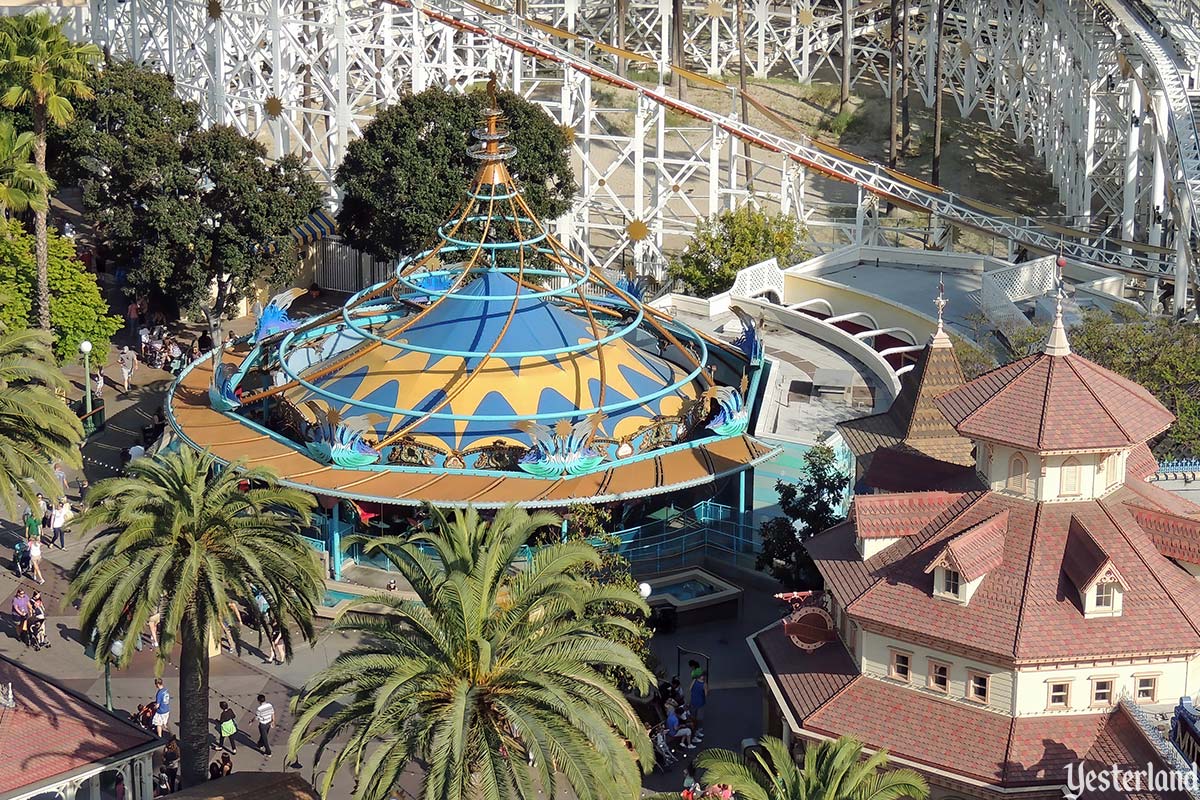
33,526
43,513
170,764
60,475
132,315
226,729
35,559
698,699
22,613
264,715
128,363
162,707
58,521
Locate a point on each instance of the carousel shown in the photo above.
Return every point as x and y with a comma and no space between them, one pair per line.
496,367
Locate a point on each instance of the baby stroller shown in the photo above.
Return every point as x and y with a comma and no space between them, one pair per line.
22,564
664,756
37,632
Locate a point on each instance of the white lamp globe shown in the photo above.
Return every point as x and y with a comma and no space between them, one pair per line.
85,347
644,590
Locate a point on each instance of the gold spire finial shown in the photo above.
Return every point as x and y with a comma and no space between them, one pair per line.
491,89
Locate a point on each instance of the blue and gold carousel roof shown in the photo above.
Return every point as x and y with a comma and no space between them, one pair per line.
496,352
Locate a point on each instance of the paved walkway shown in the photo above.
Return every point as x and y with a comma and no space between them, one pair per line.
735,706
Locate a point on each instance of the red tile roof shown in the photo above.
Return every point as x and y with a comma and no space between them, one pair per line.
807,679
889,516
899,469
955,737
53,731
1141,463
1174,535
1026,607
979,549
1084,558
1047,402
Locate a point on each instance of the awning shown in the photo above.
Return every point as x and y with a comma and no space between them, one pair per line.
317,226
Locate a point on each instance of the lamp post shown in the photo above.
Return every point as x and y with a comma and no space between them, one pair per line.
85,347
644,590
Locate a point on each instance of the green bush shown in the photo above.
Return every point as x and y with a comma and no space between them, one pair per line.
77,309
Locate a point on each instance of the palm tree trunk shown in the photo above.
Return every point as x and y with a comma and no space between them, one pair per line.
41,245
193,702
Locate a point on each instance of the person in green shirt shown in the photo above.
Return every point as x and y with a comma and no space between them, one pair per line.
33,527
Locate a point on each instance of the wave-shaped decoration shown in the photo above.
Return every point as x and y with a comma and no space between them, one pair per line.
750,341
564,449
274,318
220,391
333,440
733,417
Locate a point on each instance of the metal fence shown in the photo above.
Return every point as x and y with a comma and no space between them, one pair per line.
341,268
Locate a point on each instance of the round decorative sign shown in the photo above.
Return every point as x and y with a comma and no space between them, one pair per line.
809,627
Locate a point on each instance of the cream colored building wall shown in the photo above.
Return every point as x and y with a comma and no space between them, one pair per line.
876,661
868,548
1095,470
1032,692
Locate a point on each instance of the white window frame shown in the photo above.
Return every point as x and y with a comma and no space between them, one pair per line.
893,673
1070,467
1137,689
972,674
930,683
1066,692
1111,680
1018,480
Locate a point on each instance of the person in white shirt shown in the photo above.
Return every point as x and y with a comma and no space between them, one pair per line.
264,715
58,520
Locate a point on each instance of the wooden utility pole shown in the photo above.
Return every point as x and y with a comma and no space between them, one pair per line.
677,39
622,11
847,61
747,164
894,86
936,175
905,126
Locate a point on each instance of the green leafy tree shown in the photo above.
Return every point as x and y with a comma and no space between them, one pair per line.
728,242
974,360
125,148
181,535
489,666
1162,355
36,427
811,505
832,770
22,184
42,70
404,176
77,309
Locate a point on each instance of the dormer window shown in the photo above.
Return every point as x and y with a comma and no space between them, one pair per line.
1106,596
1100,585
1018,474
962,563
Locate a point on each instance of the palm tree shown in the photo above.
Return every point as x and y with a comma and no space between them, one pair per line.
42,69
181,535
832,770
491,668
36,427
22,184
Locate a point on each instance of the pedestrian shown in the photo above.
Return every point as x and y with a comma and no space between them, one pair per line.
119,787
691,784
226,764
128,363
98,386
22,613
37,622
170,763
131,317
162,707
264,715
59,518
697,700
226,729
677,731
33,526
214,770
694,666
60,475
43,511
278,650
35,559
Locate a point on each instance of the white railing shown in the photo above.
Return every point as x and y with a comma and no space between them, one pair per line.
1003,288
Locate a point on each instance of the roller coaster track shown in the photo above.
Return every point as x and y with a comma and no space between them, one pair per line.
534,38
1181,120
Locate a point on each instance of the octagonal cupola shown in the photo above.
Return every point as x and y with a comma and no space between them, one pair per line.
1054,426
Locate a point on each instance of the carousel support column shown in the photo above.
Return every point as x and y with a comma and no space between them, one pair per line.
335,542
1132,158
